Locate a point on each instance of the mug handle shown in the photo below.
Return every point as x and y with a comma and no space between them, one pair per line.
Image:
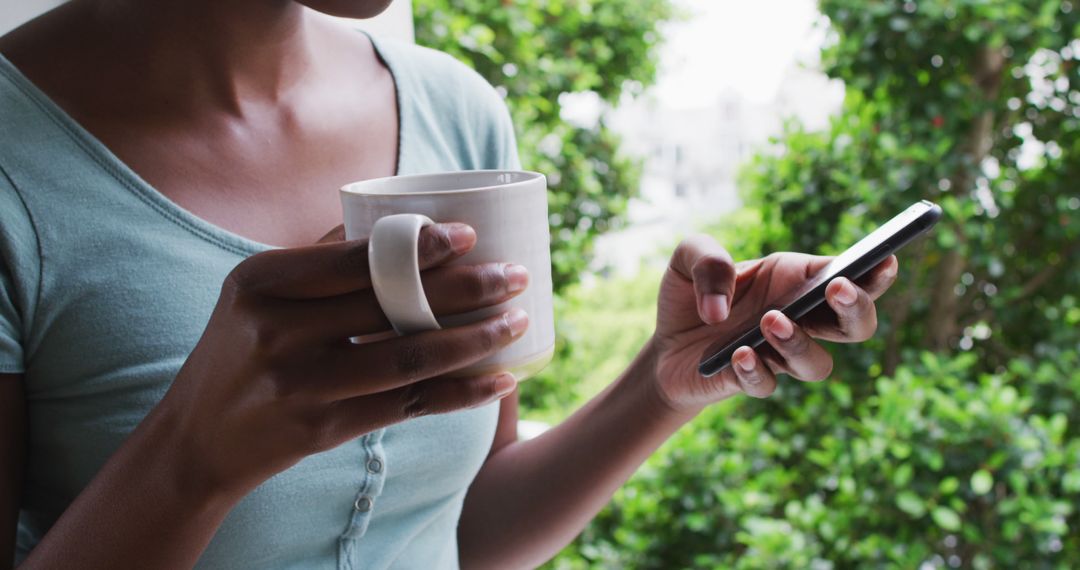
395,272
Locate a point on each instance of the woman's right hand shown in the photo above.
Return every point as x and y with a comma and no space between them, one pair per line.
274,377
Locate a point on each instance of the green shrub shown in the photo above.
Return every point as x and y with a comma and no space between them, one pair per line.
937,463
537,52
950,439
600,329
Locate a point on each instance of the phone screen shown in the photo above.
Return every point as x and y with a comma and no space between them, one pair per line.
852,263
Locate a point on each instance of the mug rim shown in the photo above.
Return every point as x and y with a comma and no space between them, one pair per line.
357,188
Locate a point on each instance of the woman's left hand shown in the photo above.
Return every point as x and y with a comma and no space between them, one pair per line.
706,297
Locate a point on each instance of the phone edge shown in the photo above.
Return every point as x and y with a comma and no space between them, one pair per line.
707,367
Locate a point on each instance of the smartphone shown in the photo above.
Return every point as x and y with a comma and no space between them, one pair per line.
852,264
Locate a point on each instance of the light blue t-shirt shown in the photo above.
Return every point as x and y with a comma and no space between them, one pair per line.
106,286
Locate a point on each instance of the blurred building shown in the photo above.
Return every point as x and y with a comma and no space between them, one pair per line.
692,156
692,159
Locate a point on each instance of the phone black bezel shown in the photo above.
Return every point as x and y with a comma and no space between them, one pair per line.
714,363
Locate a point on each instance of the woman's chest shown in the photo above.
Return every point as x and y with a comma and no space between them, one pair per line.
271,181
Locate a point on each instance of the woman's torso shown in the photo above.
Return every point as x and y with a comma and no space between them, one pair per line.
108,285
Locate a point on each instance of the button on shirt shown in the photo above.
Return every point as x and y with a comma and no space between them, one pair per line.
106,286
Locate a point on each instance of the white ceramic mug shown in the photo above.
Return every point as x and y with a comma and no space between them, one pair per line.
508,210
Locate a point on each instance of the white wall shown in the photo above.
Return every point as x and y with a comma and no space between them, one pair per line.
15,12
396,22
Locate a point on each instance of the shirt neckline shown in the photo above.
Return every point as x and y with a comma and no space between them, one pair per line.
127,177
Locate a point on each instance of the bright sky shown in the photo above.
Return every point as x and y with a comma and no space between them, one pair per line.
742,45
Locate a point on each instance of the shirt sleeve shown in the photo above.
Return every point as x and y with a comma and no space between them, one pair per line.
504,141
19,277
11,353
463,117
484,125
491,117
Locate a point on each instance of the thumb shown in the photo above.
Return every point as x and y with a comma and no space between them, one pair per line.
336,234
709,267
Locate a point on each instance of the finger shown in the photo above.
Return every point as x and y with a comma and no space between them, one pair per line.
463,288
854,315
800,266
812,264
380,366
799,355
351,417
706,264
450,291
328,269
446,394
336,234
880,278
331,319
753,376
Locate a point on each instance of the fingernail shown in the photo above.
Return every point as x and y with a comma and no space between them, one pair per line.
781,327
462,237
890,269
517,277
846,294
504,384
746,361
715,307
518,321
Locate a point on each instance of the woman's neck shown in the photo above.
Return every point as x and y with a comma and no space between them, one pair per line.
229,54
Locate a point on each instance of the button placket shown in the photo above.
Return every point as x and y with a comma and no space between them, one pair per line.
365,503
374,465
372,469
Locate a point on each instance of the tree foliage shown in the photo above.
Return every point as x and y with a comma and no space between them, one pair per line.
971,104
953,438
936,464
539,53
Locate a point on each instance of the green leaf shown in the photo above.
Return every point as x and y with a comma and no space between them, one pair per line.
990,299
981,481
1071,482
946,518
911,504
903,474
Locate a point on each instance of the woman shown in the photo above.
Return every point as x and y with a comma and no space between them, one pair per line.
179,391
